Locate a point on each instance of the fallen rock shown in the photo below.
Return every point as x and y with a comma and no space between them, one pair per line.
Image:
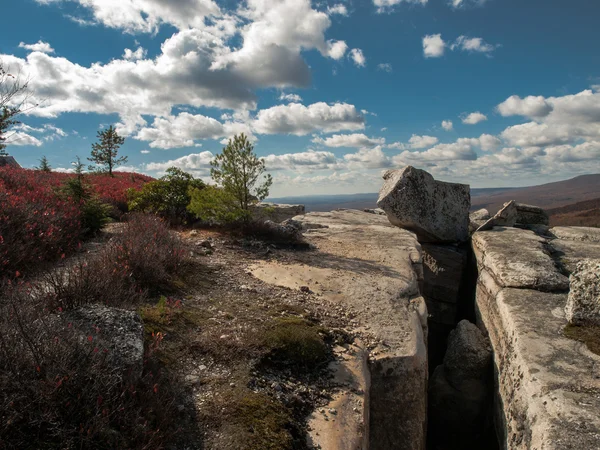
506,217
481,214
583,303
469,355
435,211
117,330
460,390
478,218
531,215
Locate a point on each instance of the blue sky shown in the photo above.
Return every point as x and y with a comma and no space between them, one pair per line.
485,92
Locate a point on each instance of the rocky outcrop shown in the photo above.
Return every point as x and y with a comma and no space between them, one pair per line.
531,215
547,386
583,303
118,331
460,390
435,211
364,265
275,212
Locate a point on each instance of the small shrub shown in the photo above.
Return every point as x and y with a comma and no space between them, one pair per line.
167,197
297,343
147,251
215,205
58,390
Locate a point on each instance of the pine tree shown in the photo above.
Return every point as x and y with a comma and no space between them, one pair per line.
104,153
44,165
238,169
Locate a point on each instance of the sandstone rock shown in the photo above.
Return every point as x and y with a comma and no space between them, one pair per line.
371,269
583,303
443,267
518,258
275,212
460,389
531,215
582,234
117,330
469,355
506,217
546,384
481,214
437,212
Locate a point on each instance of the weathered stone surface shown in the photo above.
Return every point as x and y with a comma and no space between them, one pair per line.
437,212
506,217
364,265
443,267
531,215
583,304
480,214
477,219
117,330
469,355
460,389
378,211
275,212
518,258
548,386
583,234
574,244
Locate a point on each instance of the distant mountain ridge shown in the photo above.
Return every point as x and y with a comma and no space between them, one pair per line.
550,195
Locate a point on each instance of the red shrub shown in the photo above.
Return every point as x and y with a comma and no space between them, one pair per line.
37,225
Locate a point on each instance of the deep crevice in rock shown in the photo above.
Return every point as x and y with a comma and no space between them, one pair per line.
460,411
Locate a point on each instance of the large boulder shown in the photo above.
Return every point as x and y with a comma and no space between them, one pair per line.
460,390
435,211
583,303
478,218
531,215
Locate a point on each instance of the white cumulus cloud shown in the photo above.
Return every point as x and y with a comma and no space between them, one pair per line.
474,118
39,46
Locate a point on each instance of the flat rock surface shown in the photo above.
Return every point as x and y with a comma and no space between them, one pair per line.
558,377
518,258
584,234
364,264
548,385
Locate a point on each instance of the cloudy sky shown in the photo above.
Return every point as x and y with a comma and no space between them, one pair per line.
333,92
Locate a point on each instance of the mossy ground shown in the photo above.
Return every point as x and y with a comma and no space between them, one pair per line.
245,338
590,334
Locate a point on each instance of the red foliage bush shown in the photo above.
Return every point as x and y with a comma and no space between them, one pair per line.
37,224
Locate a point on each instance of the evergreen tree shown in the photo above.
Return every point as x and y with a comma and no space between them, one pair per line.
44,165
237,170
105,152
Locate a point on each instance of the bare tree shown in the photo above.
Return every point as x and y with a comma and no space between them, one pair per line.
14,100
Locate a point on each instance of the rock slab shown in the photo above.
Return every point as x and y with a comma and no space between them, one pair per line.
437,212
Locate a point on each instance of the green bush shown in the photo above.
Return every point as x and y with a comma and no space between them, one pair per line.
168,196
213,204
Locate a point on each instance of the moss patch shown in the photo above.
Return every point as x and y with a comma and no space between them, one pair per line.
296,342
590,334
